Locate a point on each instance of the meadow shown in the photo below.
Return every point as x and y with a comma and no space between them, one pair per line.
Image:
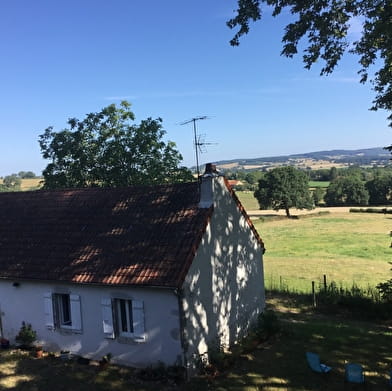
349,248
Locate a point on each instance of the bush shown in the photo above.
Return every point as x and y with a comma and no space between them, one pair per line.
364,303
385,289
371,210
26,335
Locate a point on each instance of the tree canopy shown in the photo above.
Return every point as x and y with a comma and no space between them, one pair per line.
348,190
284,188
107,149
325,25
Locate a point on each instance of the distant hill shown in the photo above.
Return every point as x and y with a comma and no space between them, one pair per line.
315,160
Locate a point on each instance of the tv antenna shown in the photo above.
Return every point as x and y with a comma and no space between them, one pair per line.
198,142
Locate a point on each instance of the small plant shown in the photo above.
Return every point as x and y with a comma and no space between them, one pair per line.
26,335
107,358
105,361
385,289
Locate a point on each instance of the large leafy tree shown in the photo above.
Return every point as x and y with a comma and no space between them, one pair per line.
349,190
284,188
380,190
324,25
107,149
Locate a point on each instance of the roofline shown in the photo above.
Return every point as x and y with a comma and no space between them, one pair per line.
244,213
195,247
16,279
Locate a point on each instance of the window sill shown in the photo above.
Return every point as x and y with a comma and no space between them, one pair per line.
131,340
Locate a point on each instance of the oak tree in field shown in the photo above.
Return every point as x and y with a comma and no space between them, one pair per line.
348,190
107,149
380,190
322,28
284,188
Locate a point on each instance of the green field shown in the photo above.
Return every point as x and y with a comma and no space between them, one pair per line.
248,200
346,247
322,184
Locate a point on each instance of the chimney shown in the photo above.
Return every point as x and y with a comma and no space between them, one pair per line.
207,186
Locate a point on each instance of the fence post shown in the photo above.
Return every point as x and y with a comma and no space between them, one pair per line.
313,294
325,282
280,283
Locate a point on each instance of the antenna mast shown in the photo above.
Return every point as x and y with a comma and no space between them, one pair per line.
196,142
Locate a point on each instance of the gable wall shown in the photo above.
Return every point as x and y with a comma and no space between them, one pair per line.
26,303
224,290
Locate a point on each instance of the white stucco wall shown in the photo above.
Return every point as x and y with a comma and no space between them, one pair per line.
224,290
162,328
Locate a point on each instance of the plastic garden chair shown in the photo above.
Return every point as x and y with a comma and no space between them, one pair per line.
314,363
354,373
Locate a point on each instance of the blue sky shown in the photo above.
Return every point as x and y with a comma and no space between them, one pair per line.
172,59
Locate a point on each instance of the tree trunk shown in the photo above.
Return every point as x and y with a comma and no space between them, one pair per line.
287,212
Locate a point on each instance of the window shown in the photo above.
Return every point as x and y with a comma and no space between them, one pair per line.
63,311
62,305
123,318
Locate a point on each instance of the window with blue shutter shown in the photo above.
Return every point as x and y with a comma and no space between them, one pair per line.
123,318
63,311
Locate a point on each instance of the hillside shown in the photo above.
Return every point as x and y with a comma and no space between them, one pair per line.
314,160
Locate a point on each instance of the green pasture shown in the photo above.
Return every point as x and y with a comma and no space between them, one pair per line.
323,184
347,248
248,200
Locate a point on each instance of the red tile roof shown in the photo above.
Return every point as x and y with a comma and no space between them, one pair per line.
139,235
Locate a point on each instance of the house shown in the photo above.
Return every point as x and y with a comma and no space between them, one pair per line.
147,273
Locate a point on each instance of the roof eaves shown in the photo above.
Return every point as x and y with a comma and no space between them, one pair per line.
243,211
194,247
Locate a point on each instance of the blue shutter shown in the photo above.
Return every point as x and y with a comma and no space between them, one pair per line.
107,318
48,310
138,321
76,315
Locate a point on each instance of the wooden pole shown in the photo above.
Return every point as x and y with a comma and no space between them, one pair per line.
314,295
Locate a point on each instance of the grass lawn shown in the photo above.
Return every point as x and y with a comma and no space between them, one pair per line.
323,184
281,364
248,200
347,247
278,364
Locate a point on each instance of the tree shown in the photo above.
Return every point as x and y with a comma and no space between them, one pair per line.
380,190
284,188
26,174
318,195
12,182
325,25
106,149
349,190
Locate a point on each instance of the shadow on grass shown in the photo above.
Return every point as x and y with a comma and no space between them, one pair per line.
21,372
280,364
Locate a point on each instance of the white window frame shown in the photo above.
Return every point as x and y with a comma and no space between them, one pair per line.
62,303
63,311
123,318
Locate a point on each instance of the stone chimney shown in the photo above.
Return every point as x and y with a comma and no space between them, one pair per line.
207,186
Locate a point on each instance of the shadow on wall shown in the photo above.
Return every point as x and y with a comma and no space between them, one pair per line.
224,291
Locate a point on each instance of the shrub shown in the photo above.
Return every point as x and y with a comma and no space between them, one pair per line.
26,335
385,289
